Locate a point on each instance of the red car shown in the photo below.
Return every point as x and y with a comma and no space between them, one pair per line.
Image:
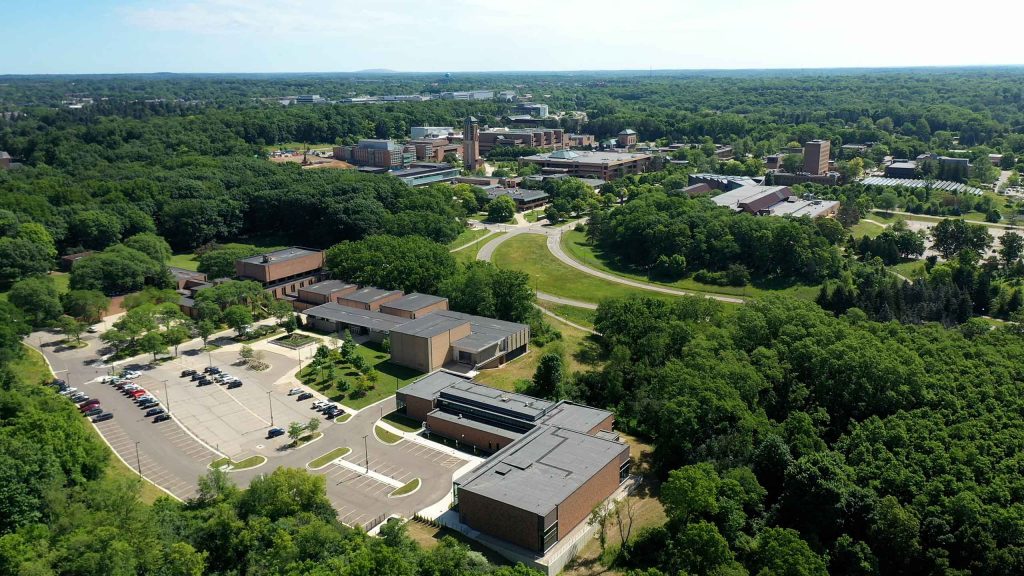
137,393
89,405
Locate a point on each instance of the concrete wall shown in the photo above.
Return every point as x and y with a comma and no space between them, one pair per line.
577,507
500,520
467,433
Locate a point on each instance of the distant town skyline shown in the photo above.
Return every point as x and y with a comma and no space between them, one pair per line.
108,36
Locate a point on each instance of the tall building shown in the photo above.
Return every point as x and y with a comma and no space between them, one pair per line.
379,153
816,156
471,143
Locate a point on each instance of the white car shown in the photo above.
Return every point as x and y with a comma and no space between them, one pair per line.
318,404
68,392
295,391
131,374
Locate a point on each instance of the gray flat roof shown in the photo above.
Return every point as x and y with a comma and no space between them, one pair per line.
575,416
327,287
429,326
280,255
477,425
587,157
541,469
415,301
369,294
431,385
364,318
520,406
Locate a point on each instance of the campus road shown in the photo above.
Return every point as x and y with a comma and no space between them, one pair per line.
554,235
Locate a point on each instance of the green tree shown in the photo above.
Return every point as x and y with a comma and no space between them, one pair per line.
175,336
239,318
21,258
792,163
782,552
153,342
501,209
313,425
691,493
94,229
295,431
1011,248
117,270
85,305
552,214
220,261
548,378
71,328
151,245
205,329
38,300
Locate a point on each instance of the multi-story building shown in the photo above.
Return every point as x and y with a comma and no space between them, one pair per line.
386,154
434,149
471,143
816,154
282,272
586,164
535,110
582,140
468,95
521,137
431,132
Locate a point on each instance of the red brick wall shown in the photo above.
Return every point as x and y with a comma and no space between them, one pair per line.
577,507
275,270
418,408
500,520
467,434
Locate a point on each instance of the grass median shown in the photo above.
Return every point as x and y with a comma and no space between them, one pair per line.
386,436
328,458
409,487
244,464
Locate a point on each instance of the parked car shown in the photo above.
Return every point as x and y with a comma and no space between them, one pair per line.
318,404
103,417
295,391
161,418
204,381
68,391
58,383
138,393
94,411
154,412
274,433
304,396
197,376
149,403
144,398
131,374
234,384
88,405
79,398
211,370
92,329
188,372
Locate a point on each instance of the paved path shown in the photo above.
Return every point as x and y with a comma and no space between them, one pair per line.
928,218
567,301
477,241
567,321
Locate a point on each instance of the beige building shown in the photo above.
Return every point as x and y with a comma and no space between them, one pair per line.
816,154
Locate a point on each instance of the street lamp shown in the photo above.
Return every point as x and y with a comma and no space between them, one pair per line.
167,397
138,461
366,450
270,402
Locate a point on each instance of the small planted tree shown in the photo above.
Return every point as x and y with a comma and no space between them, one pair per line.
295,431
71,328
246,352
313,425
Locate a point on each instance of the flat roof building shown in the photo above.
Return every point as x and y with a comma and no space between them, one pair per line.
524,198
590,164
816,153
368,298
774,201
425,173
333,317
551,462
415,305
901,169
522,138
431,341
386,154
282,272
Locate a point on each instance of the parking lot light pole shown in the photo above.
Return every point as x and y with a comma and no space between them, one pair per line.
270,402
367,453
167,397
138,461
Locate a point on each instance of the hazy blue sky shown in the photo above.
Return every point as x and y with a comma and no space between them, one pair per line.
91,36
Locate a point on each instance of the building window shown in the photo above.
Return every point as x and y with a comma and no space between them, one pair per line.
549,536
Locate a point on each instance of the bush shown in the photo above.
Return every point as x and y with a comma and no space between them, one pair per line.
737,275
673,266
713,278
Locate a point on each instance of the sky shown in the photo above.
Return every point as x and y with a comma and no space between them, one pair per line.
107,36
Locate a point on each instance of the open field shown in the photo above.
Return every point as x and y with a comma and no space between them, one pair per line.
468,254
863,228
576,245
187,261
298,147
529,253
581,316
467,237
913,269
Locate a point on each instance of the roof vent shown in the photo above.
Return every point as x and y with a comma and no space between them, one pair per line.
266,258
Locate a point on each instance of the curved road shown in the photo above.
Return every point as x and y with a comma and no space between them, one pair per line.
555,247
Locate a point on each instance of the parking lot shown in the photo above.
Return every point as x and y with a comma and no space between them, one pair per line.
211,421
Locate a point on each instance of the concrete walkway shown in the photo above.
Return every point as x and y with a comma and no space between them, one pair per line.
566,321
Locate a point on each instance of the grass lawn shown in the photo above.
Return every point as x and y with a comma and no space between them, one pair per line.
329,457
296,340
408,488
341,389
188,261
533,215
32,369
862,228
297,146
467,236
529,253
576,346
913,269
575,244
467,255
428,537
385,436
403,422
244,464
581,316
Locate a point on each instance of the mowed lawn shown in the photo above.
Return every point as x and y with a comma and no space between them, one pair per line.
576,245
529,253
582,316
467,236
864,228
187,261
468,254
32,369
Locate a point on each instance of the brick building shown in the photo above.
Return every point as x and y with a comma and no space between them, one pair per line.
386,154
590,164
522,138
282,272
551,463
626,138
471,143
816,154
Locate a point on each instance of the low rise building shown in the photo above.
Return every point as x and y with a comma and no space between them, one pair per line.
626,138
368,298
721,181
468,95
282,272
431,341
415,305
524,198
321,293
521,138
5,160
531,109
431,132
425,173
600,165
901,169
582,140
774,201
185,279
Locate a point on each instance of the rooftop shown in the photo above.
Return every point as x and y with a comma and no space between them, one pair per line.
521,194
431,385
369,294
366,318
429,326
519,406
541,469
415,301
327,287
746,194
587,157
279,255
575,417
